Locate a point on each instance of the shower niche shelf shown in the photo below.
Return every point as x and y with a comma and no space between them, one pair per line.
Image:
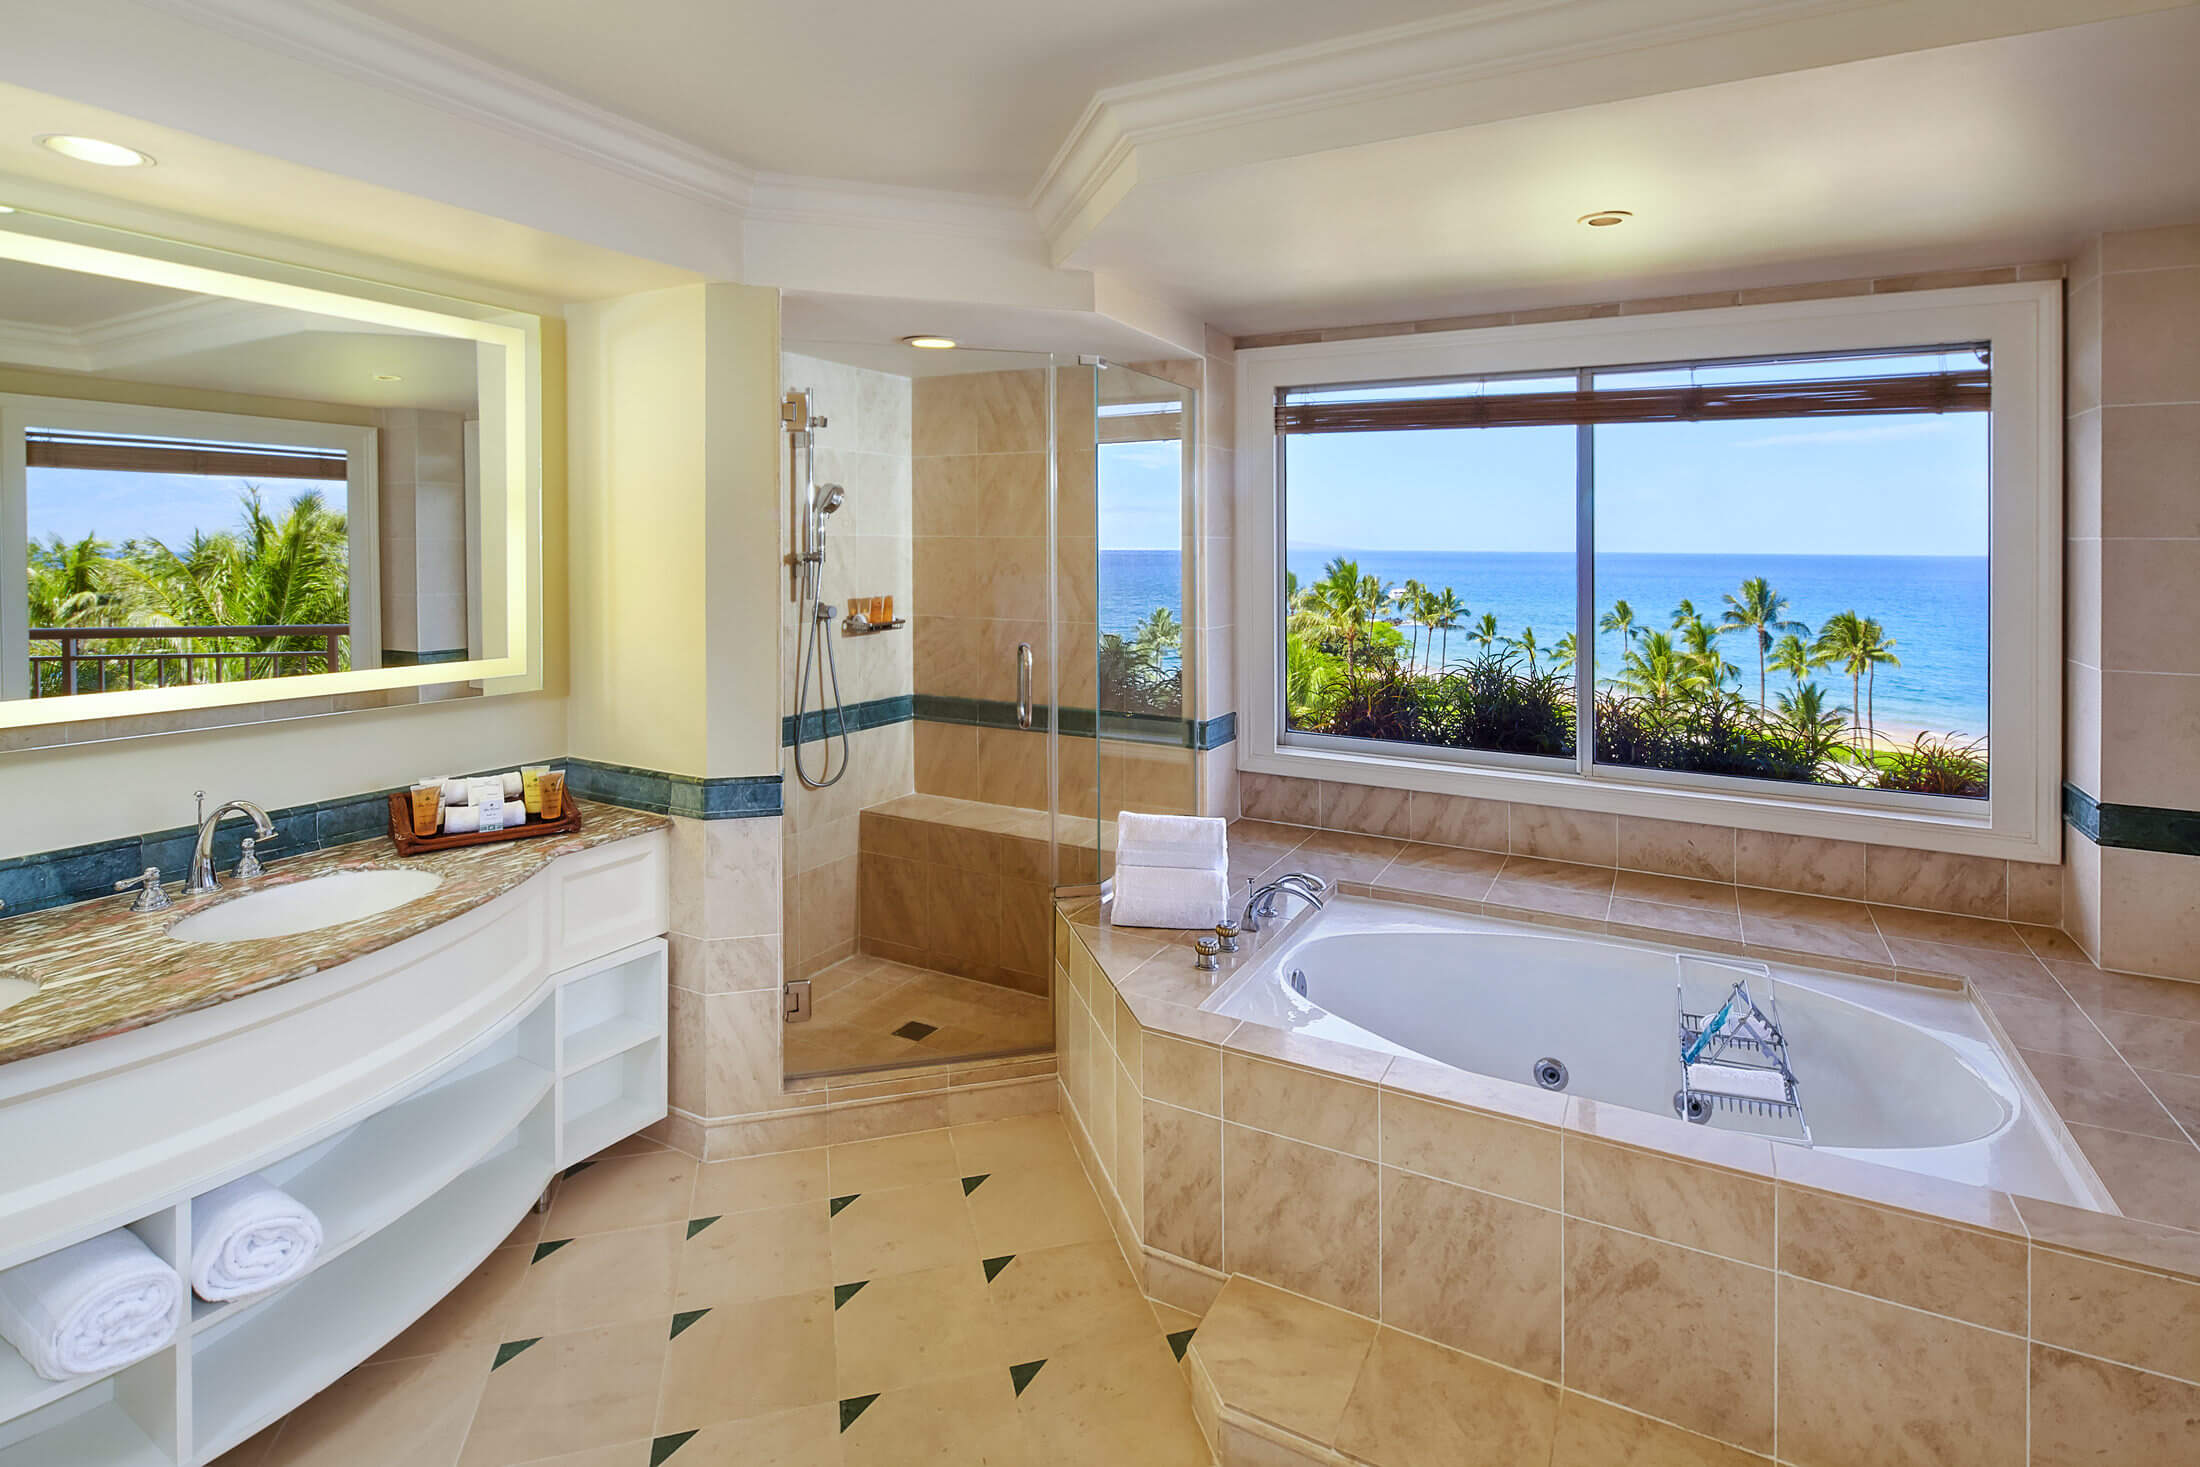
856,627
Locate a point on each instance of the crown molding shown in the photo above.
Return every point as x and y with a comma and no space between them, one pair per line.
787,198
44,348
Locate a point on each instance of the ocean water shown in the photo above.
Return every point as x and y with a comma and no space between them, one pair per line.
1934,607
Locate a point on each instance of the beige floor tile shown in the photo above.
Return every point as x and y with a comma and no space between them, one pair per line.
604,1278
754,1255
805,1436
620,1454
758,1182
1057,1299
890,1161
1283,1358
471,1314
902,1230
1021,1212
1110,1406
568,1393
623,1192
251,1452
967,1421
908,1328
1420,1405
401,1411
749,1359
1039,1142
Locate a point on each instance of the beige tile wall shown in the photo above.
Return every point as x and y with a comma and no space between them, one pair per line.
865,447
957,897
2132,710
1413,1223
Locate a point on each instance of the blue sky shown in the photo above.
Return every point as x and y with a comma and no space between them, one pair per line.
116,506
1141,496
1821,486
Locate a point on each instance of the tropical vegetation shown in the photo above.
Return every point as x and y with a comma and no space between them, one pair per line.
1363,659
1143,674
272,569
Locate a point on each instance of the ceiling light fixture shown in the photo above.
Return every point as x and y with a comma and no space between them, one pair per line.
7,208
94,150
387,377
1605,218
930,343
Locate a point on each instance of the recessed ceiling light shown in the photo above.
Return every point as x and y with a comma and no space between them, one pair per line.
95,150
1605,218
930,343
387,377
7,208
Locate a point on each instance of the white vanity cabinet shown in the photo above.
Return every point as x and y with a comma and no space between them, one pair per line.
419,1099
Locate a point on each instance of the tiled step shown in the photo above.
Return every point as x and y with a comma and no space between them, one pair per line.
1281,1381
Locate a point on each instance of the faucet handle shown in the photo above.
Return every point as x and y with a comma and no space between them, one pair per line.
1206,947
150,896
248,865
1226,934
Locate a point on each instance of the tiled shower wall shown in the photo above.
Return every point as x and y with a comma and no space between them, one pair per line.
2131,677
865,448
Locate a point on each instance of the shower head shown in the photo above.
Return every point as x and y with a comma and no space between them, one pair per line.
829,497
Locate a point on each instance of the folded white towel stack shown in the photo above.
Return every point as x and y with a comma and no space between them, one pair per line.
248,1237
1170,871
93,1307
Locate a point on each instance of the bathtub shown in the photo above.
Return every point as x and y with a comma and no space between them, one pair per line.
1890,1073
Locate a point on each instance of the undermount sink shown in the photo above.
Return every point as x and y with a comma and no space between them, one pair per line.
15,986
303,906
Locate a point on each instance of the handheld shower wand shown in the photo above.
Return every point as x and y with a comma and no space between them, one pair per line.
814,619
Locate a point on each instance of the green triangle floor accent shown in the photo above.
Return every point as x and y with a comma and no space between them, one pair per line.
842,1293
854,1406
683,1319
544,1250
838,1203
697,1224
970,1184
1181,1340
511,1349
665,1446
1020,1376
993,1266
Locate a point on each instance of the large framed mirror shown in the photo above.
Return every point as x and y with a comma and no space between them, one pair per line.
232,490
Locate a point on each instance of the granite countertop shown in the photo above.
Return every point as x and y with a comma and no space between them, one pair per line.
106,969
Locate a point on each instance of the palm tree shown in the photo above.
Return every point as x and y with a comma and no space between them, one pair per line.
1620,619
1526,643
1485,632
1563,654
1791,656
1450,611
1158,637
1658,670
1841,641
1701,639
69,581
1811,720
1877,651
1340,607
1760,609
268,572
1407,598
1684,613
1428,610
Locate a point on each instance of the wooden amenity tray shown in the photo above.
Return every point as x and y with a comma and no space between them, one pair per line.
408,844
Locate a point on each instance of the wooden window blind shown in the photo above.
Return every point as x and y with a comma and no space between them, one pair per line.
45,448
1966,390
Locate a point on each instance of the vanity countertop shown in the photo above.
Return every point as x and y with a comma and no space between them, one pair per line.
106,969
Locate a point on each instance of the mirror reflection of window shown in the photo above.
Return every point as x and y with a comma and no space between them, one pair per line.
164,562
1142,572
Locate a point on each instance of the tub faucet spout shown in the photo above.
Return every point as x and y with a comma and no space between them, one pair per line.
1262,902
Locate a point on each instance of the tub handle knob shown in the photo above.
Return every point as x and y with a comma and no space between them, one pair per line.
1226,934
1207,948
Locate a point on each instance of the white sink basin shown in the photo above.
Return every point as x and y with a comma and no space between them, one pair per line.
15,986
303,906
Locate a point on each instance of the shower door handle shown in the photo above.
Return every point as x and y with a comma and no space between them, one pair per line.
1023,685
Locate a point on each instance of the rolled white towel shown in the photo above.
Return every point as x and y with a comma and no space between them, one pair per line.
1185,835
457,792
1163,896
1173,858
461,820
90,1308
248,1237
513,784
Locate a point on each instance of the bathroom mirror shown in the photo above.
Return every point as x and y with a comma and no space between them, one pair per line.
232,491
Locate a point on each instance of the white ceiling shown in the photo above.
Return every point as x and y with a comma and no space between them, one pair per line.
967,95
2000,151
867,331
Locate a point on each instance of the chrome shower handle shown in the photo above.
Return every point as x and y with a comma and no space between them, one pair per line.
1023,685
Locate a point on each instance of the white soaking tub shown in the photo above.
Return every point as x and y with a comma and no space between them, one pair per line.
1890,1073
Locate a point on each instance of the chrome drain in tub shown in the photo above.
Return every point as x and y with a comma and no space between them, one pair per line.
1298,981
1550,1074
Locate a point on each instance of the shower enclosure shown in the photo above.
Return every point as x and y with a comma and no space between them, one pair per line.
1029,518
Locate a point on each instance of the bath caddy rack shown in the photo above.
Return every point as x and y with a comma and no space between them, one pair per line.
1734,1055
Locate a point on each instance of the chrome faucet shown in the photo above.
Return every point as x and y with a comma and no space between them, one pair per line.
201,876
1262,902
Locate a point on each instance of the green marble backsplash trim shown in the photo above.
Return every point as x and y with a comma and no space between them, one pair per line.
43,879
2132,827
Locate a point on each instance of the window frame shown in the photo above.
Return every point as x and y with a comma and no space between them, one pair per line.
362,477
2020,819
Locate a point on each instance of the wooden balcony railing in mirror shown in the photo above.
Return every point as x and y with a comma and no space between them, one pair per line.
180,656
